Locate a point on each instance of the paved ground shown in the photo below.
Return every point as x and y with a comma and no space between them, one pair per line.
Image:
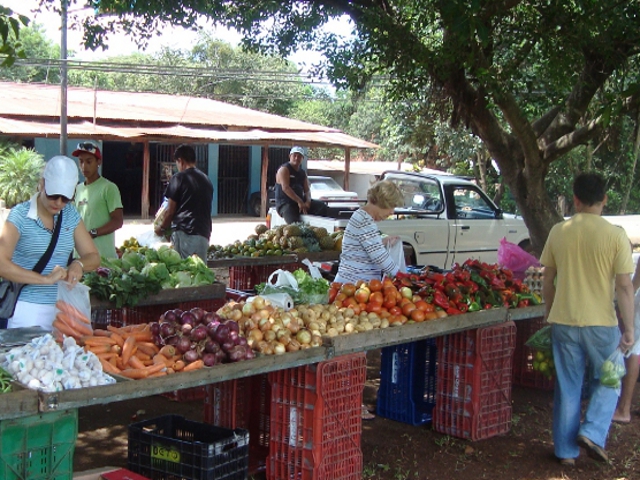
226,229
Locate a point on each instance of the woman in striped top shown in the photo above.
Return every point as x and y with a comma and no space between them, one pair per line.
26,236
364,253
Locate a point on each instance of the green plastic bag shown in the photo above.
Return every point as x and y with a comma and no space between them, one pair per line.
541,340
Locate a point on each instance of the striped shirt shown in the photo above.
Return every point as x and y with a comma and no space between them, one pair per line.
363,256
33,242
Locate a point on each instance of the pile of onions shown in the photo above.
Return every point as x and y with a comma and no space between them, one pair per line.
270,330
198,334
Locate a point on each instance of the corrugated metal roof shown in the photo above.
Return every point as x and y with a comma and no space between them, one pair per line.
40,100
9,126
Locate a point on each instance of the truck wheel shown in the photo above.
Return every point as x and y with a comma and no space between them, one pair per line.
254,205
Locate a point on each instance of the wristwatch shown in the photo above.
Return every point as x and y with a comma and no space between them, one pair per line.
93,232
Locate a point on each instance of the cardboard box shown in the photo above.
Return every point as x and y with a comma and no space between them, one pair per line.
122,474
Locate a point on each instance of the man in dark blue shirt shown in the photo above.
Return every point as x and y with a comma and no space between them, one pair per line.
189,196
293,195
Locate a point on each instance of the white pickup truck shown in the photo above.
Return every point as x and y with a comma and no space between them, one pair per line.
444,220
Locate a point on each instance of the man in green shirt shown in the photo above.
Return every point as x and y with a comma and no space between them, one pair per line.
98,200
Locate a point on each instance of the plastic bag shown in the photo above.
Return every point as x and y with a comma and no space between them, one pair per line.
313,270
612,370
515,258
396,252
151,240
282,278
73,308
635,348
541,340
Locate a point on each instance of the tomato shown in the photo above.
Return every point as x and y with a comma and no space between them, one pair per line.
416,298
348,289
384,314
375,285
417,315
360,283
387,282
340,297
374,307
441,313
421,305
407,308
395,311
402,302
349,302
362,294
376,297
430,307
336,285
333,292
389,301
431,315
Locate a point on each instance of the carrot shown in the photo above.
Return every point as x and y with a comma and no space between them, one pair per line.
157,374
91,340
170,371
147,347
127,349
135,362
99,349
139,336
108,367
117,349
168,351
106,356
160,359
117,338
98,332
79,327
141,355
135,373
72,311
64,329
178,365
193,366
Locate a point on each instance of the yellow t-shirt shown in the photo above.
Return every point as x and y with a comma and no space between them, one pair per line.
587,252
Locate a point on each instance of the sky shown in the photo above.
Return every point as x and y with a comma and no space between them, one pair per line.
120,44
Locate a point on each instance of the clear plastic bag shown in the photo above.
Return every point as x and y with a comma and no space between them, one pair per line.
541,340
73,309
612,370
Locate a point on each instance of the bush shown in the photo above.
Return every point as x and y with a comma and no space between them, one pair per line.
20,170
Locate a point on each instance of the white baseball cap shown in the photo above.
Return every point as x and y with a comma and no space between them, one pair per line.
60,176
299,150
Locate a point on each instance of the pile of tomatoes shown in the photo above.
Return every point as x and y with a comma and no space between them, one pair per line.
383,298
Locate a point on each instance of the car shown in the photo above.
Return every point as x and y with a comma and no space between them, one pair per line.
322,188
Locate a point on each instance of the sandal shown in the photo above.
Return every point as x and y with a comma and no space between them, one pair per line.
365,414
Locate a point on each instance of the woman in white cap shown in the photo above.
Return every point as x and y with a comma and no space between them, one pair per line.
26,236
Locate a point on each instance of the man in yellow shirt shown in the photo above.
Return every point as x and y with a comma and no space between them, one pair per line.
587,260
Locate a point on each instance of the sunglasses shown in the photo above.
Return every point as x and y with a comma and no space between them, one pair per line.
55,198
87,147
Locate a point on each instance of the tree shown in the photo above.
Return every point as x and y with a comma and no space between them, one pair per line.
20,170
10,25
488,58
34,45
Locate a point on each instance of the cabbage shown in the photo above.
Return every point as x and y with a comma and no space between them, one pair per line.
181,279
156,271
169,256
133,259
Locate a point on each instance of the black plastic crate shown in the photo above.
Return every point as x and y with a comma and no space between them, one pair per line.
173,448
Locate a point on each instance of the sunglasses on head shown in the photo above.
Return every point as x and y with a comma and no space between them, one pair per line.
55,198
87,147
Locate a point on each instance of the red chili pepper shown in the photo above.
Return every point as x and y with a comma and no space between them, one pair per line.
453,311
498,284
523,303
488,306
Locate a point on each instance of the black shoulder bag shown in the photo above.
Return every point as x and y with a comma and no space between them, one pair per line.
10,291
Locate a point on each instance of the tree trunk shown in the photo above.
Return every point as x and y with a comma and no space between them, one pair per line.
636,153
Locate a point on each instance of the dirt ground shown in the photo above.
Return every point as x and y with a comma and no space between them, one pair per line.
398,451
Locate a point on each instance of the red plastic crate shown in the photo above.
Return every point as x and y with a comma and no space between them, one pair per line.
473,398
247,277
243,403
315,420
186,394
523,372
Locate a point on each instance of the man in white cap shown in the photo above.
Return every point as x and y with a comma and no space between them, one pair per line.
293,195
98,200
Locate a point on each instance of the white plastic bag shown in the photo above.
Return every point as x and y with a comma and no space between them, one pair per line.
282,300
282,279
612,370
313,270
151,240
396,252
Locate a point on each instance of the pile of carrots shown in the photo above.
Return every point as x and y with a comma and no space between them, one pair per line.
129,352
70,322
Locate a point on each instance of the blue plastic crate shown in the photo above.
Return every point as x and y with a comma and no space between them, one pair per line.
407,390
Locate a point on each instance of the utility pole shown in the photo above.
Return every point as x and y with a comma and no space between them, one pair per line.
63,78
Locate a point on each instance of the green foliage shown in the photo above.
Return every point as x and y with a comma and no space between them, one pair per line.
10,26
34,45
20,171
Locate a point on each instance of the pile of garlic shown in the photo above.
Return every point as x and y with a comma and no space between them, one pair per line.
43,365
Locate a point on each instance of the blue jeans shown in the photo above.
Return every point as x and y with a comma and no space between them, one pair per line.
572,347
186,245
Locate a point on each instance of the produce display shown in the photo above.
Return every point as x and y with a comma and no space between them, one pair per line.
540,342
43,364
143,271
294,238
5,381
309,290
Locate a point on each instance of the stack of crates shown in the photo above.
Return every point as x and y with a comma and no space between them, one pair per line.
315,420
523,356
473,399
407,390
171,447
38,447
243,403
247,277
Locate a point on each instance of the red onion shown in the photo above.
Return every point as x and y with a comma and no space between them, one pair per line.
198,313
221,334
154,327
241,341
190,356
212,326
167,329
209,359
169,316
183,345
173,340
211,347
221,356
199,333
250,354
237,353
227,345
188,318
233,326
186,328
